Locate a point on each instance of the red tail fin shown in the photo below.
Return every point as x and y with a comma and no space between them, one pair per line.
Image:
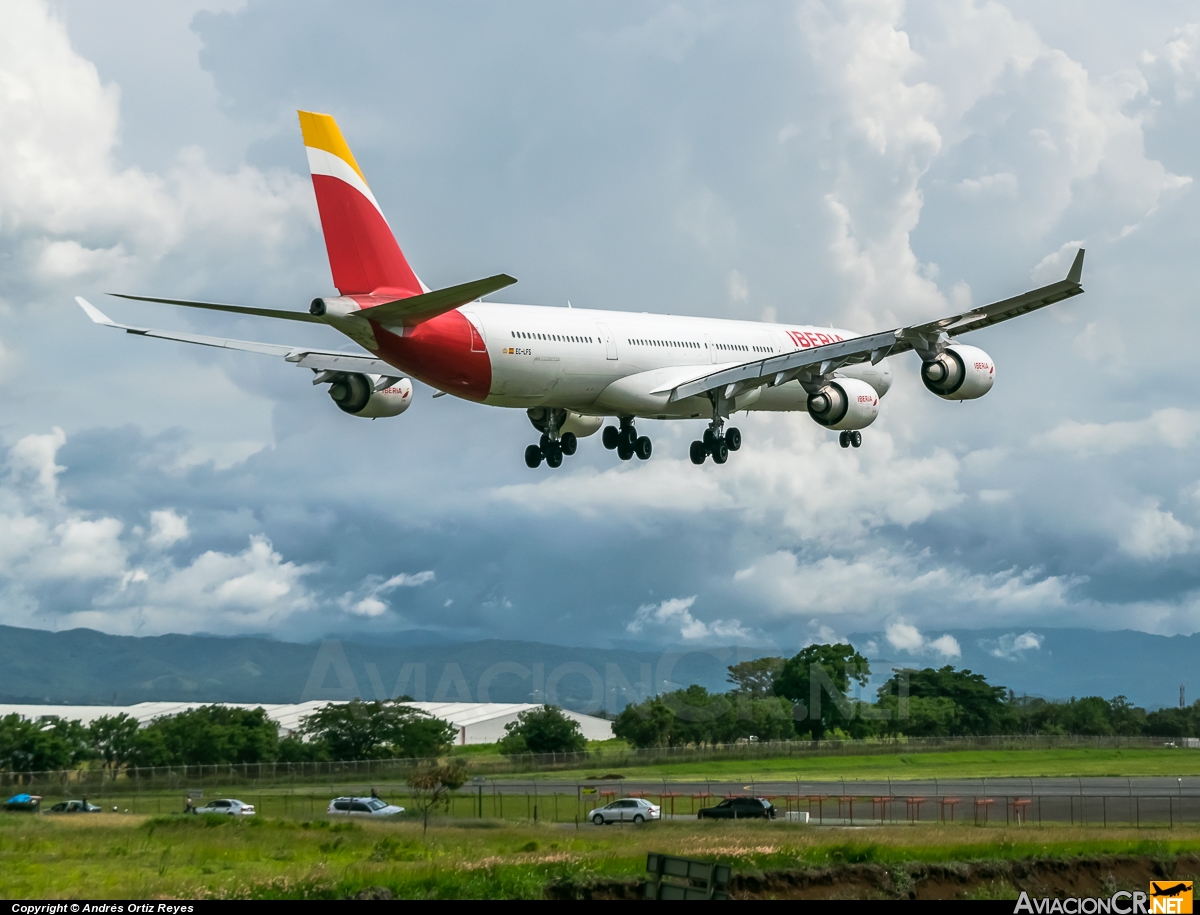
363,253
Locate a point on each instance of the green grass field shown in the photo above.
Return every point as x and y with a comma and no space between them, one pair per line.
955,764
117,856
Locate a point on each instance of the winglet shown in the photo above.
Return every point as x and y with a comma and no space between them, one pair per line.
1075,274
93,312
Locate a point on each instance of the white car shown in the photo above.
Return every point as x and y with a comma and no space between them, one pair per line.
227,805
626,809
363,807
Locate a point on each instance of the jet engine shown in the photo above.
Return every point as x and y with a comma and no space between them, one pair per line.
355,394
959,373
846,403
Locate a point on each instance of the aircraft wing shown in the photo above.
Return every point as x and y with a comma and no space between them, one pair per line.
821,360
319,360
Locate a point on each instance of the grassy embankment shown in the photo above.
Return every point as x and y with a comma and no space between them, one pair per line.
187,857
955,764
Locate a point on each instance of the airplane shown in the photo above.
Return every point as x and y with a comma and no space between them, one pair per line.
570,369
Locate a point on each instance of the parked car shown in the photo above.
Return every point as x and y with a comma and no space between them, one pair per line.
75,807
626,809
227,805
24,803
739,808
363,807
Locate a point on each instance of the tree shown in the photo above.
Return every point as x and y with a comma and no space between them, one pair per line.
114,739
431,788
212,735
542,730
42,744
755,679
696,716
817,670
918,716
377,730
647,724
982,708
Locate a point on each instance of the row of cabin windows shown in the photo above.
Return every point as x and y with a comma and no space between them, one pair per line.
738,347
557,338
679,344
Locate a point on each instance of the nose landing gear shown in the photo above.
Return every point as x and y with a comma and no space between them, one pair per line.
626,442
850,439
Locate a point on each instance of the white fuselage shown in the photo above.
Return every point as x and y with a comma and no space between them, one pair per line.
621,363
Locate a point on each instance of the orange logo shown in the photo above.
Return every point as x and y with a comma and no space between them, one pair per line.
1171,897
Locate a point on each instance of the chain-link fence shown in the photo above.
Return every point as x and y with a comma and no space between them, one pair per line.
96,778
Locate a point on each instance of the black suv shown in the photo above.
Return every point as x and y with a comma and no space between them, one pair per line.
738,808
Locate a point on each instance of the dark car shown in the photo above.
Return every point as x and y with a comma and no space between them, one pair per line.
739,808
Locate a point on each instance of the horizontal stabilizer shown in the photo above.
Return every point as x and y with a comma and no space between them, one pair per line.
318,360
236,309
418,308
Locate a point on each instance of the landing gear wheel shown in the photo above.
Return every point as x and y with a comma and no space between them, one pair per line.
643,448
533,457
844,439
554,455
598,819
733,438
611,437
698,452
569,443
721,451
624,453
544,442
856,439
629,437
710,440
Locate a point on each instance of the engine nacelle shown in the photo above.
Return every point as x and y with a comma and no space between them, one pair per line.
959,373
355,394
334,306
846,403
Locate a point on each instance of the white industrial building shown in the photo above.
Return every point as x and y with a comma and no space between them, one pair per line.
477,722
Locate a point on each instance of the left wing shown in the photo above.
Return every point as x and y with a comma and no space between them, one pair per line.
926,338
318,360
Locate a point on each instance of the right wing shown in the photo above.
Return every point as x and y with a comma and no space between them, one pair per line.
318,360
820,361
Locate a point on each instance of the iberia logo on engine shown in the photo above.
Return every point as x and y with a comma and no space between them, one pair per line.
1171,897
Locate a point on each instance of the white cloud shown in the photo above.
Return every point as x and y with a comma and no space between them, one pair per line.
367,599
1155,534
35,454
1012,646
906,637
867,589
167,528
70,212
1172,427
674,616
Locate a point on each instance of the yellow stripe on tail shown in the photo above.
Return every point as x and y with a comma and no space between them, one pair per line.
321,131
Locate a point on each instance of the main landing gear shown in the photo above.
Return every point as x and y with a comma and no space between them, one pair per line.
626,442
716,442
850,439
551,449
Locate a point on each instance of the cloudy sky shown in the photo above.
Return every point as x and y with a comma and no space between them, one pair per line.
861,163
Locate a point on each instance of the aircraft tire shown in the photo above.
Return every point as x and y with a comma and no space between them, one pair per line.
569,443
721,452
733,438
644,448
844,439
856,439
533,457
710,440
698,453
611,437
624,453
629,437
